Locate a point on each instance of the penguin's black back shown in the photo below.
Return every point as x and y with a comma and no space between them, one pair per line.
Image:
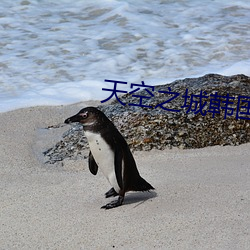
132,180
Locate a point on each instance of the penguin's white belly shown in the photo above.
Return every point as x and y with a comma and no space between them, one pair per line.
104,157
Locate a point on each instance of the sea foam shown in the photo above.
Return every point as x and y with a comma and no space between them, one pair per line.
55,53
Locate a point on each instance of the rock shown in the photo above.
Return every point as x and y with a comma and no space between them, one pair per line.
158,128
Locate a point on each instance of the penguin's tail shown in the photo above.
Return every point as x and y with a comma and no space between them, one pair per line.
141,185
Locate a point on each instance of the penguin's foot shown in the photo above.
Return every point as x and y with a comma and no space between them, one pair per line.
113,204
111,193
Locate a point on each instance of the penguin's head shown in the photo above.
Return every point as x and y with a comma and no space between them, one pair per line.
88,117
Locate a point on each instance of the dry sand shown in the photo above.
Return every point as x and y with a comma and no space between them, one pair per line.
201,201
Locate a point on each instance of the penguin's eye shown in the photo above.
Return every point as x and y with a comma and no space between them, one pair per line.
84,115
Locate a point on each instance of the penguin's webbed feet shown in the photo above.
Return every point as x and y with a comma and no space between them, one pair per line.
113,204
111,193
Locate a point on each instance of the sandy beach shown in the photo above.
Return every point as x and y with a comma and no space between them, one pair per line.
201,198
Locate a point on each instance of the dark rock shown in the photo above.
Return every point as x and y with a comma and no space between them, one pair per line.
148,128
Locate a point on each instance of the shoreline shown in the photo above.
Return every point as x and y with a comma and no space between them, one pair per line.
201,198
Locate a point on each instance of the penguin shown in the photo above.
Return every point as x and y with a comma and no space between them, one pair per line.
110,152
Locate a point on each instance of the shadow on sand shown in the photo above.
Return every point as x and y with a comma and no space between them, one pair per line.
138,198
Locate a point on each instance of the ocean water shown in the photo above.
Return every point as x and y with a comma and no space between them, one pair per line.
60,52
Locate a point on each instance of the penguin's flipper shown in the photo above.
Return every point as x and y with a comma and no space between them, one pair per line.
118,166
93,167
111,193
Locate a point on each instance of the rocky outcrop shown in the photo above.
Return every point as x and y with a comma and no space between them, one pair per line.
205,111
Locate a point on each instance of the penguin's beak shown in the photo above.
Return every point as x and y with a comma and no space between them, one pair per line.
74,118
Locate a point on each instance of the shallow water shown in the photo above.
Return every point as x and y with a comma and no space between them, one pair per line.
60,52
